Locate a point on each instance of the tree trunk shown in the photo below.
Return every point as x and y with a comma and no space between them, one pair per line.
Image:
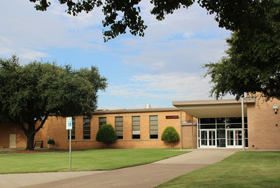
30,132
30,142
171,144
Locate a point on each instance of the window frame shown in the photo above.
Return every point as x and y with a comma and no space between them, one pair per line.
119,128
152,124
86,133
135,128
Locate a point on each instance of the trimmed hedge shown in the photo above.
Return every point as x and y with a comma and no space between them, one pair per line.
106,134
170,135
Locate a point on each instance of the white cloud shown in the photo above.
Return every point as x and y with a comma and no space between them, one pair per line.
185,55
167,60
28,31
170,86
30,54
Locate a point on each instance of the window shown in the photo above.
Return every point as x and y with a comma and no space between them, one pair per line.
207,123
72,131
135,127
119,127
154,127
86,127
102,120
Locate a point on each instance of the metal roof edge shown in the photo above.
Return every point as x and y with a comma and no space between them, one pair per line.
211,102
135,110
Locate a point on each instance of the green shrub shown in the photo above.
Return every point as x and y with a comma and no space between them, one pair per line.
106,134
51,141
170,135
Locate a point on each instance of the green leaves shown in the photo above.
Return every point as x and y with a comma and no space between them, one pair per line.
106,134
252,65
124,15
32,92
170,134
163,7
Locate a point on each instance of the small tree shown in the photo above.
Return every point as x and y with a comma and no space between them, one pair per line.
106,134
170,135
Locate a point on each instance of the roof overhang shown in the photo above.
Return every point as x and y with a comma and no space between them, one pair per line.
214,108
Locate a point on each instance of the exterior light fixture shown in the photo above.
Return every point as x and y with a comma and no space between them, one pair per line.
275,107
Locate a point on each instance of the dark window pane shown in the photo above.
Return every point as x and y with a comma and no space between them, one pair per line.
153,136
221,126
221,120
211,126
234,120
221,142
234,126
136,136
86,137
246,133
221,134
207,120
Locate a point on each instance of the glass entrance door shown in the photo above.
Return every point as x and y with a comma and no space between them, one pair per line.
208,138
234,138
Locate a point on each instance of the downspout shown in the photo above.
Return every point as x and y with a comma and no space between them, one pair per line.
243,131
192,131
181,129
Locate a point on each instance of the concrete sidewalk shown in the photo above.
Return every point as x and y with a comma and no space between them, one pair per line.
149,175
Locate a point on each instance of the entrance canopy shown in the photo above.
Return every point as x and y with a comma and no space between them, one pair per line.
214,108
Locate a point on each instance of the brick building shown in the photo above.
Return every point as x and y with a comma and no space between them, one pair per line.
135,128
219,123
216,124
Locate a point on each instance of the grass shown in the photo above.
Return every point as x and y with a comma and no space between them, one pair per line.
3,151
243,169
87,160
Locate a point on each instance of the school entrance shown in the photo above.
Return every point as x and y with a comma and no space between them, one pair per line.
221,132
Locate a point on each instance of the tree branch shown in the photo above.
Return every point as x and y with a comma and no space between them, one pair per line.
23,128
41,125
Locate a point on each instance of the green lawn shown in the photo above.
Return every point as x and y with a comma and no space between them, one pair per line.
243,169
105,159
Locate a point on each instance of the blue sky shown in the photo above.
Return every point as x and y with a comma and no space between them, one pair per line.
164,66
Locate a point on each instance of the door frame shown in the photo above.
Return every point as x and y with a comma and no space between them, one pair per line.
234,138
13,141
208,138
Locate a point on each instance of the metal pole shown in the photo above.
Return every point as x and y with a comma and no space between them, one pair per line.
70,161
181,129
243,131
192,131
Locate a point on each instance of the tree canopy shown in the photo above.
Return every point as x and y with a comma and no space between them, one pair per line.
252,62
252,65
30,93
124,15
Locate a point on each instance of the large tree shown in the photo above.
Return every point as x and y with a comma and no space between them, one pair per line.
124,15
30,93
252,65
